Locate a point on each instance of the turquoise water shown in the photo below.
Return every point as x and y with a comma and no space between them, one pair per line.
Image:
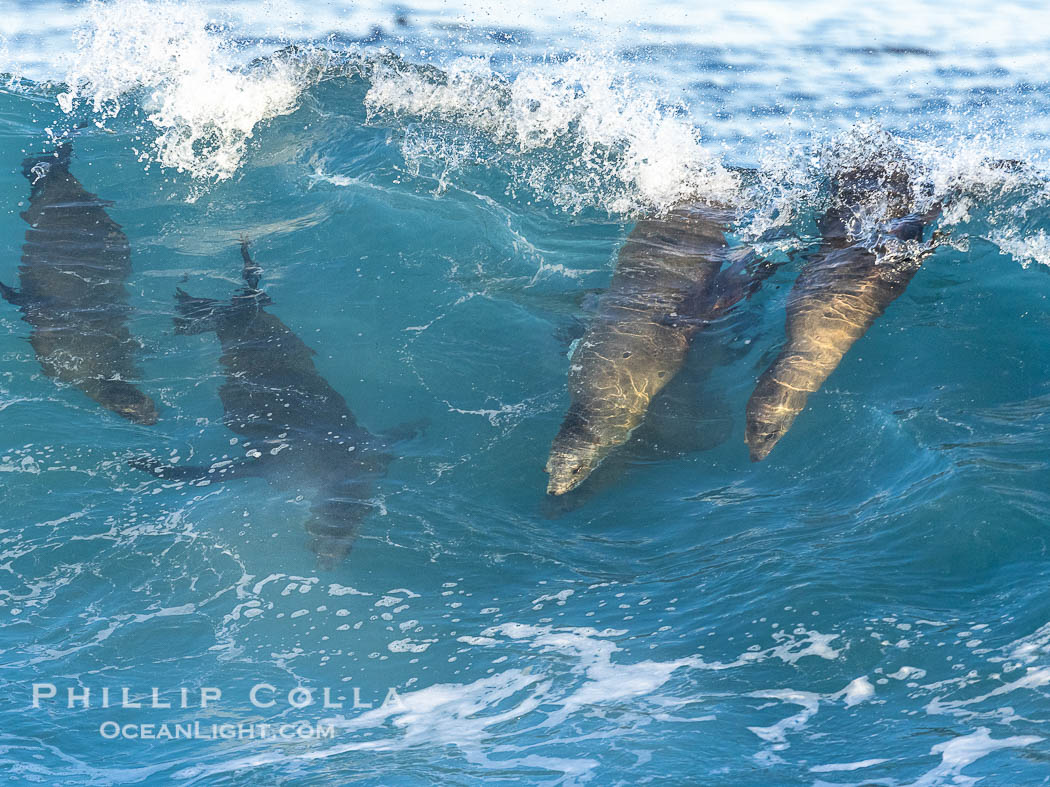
867,606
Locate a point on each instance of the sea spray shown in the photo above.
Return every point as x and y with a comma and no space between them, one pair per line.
202,104
586,132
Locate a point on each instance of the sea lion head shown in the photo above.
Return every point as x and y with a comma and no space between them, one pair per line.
871,179
127,401
333,526
576,452
330,552
763,434
771,410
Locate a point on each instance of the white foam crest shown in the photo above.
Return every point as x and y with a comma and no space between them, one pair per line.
964,184
442,715
1034,678
1025,249
858,691
786,182
906,673
1032,647
605,681
846,766
202,106
790,647
965,750
776,735
585,132
469,716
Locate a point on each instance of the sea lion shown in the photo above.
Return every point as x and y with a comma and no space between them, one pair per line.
690,415
840,292
667,283
301,434
74,264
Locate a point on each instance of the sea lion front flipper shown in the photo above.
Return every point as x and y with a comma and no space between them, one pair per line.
742,279
220,471
11,295
570,332
195,315
402,433
739,281
168,472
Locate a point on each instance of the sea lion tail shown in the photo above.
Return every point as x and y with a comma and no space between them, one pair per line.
195,315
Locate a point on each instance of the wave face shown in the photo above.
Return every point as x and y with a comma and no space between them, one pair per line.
433,195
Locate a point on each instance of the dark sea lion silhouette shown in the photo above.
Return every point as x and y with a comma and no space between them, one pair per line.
74,264
839,293
301,435
669,280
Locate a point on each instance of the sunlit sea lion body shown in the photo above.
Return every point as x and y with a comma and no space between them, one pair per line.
837,297
666,282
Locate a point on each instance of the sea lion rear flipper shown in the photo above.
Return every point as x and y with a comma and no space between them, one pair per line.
10,295
195,315
251,272
335,520
38,166
908,228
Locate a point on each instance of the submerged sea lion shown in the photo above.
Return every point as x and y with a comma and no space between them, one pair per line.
839,294
74,264
690,415
667,283
301,434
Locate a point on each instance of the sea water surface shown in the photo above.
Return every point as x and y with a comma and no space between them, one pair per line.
434,193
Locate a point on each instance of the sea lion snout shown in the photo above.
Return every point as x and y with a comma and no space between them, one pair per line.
127,401
564,477
329,555
330,549
569,466
761,434
761,443
771,410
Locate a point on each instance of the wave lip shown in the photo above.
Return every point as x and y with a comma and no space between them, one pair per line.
585,131
202,104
